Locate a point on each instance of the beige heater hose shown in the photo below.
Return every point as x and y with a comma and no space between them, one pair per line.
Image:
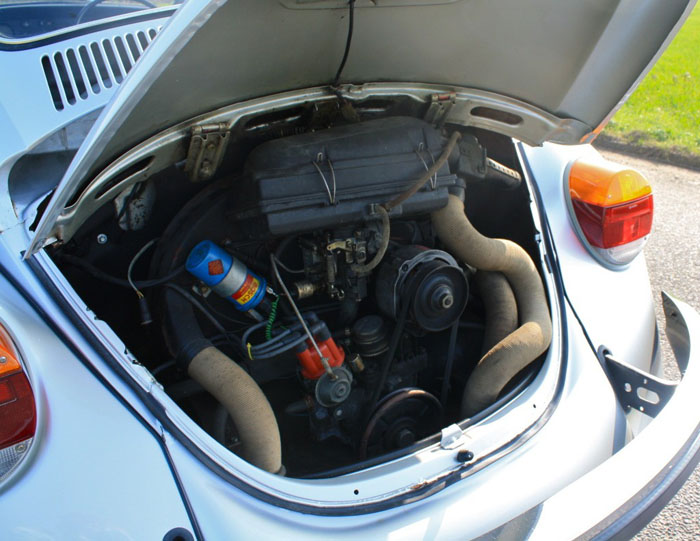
245,402
501,310
517,350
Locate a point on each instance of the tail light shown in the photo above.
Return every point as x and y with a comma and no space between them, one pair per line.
612,209
17,408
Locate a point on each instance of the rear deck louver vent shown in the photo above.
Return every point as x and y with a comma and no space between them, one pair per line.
75,74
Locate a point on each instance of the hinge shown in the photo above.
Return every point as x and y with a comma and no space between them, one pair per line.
206,150
440,105
636,388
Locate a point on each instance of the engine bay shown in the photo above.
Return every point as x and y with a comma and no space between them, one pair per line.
311,304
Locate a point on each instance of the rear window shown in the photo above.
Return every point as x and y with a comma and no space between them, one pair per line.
32,18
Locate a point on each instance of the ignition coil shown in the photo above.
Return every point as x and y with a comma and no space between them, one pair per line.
226,275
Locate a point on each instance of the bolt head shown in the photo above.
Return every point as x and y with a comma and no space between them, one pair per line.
405,438
3,359
102,238
443,298
447,301
465,456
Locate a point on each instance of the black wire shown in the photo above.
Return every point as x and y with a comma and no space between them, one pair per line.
386,362
135,192
242,322
281,247
391,352
158,369
351,24
554,258
289,269
93,271
199,306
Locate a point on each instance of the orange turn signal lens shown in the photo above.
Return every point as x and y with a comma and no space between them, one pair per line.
612,209
605,183
9,364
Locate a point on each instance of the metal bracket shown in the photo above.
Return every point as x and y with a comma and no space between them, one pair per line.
634,387
347,245
206,150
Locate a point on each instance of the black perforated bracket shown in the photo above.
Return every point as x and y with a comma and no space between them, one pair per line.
634,387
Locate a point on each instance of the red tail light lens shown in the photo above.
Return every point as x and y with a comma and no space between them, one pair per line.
17,413
612,209
17,408
606,227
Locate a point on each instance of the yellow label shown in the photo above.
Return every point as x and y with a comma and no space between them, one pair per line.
247,290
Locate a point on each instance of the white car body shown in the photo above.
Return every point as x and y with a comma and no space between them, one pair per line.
114,456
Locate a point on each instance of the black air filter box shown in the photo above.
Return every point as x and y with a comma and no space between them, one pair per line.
330,178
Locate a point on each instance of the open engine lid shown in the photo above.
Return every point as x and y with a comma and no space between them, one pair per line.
571,61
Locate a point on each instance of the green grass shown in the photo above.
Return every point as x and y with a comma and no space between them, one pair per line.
664,111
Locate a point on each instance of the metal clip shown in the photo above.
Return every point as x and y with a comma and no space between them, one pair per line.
319,160
451,437
433,179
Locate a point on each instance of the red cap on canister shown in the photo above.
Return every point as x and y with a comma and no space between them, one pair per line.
311,365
